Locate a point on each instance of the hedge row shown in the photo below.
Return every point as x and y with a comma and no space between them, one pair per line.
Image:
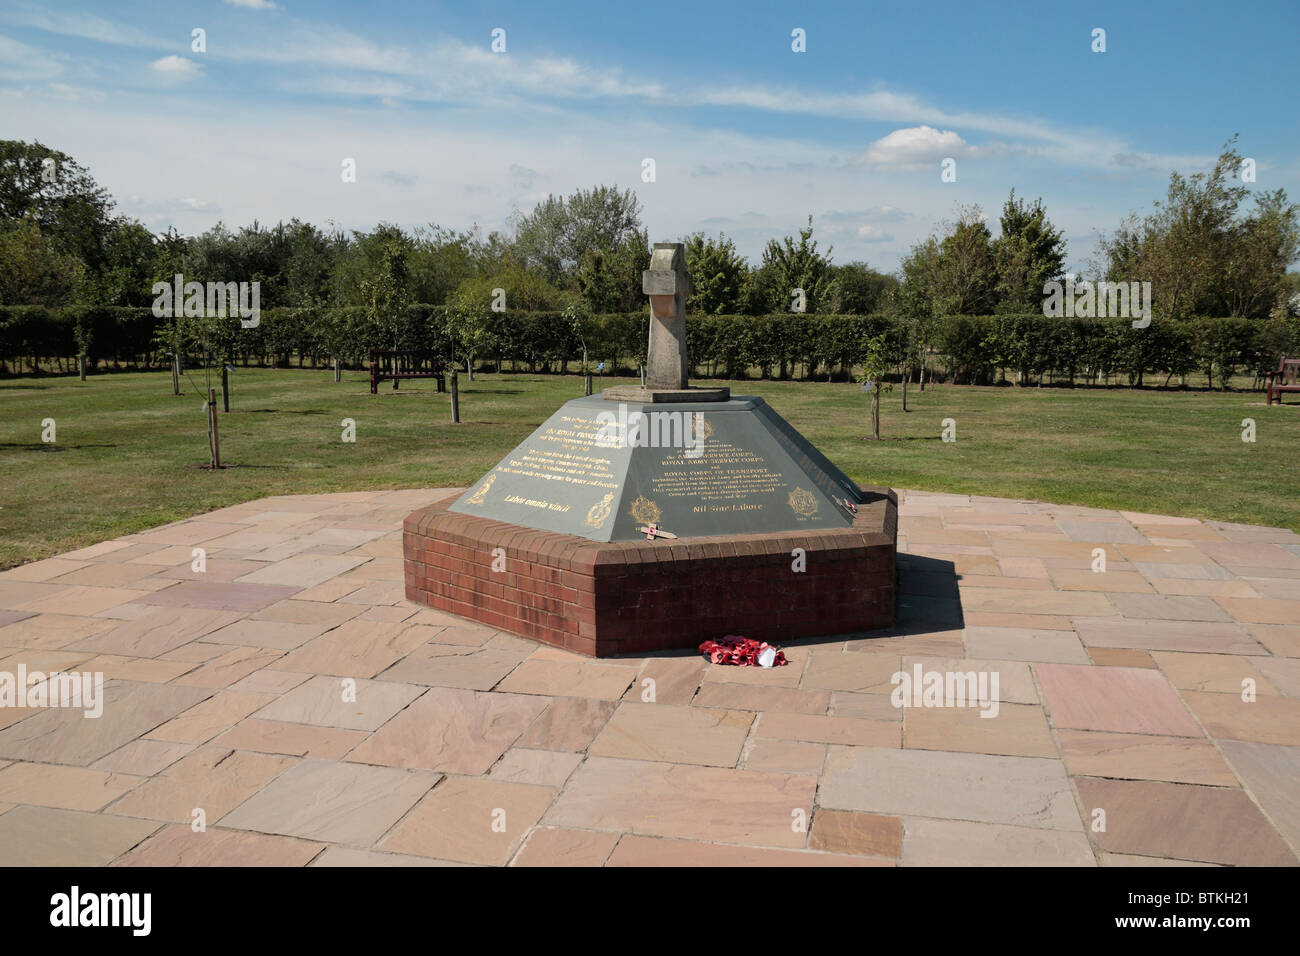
961,349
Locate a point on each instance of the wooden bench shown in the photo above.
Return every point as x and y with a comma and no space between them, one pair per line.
1285,379
400,365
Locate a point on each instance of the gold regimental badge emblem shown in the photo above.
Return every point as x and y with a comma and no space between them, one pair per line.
645,511
598,512
705,430
478,496
802,502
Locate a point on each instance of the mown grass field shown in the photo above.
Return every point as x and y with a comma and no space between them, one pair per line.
128,452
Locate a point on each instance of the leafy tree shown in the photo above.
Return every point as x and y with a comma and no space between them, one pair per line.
857,289
554,236
966,276
1200,256
718,274
34,271
1029,252
790,265
50,188
387,293
609,278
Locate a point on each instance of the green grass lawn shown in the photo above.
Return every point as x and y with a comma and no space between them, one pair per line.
128,452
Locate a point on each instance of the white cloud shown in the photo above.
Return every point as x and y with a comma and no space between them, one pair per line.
914,146
175,67
252,4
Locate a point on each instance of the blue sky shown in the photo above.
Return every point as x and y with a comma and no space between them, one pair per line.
748,137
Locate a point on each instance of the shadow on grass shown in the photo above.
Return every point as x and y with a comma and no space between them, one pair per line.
52,446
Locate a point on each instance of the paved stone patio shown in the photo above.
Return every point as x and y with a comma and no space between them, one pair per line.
1119,692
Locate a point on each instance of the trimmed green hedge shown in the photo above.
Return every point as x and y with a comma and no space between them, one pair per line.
962,349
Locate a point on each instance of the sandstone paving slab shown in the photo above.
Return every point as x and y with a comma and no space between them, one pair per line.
470,820
646,851
546,768
271,635
965,843
451,730
1261,610
1127,700
570,679
869,706
145,669
749,697
143,758
1211,589
1118,532
675,800
332,802
67,788
270,682
65,735
297,611
829,730
1282,672
1121,657
1280,639
1164,607
44,836
1053,622
212,779
673,680
85,600
296,740
867,673
1248,554
1185,572
560,846
208,718
1153,635
1025,644
479,670
42,570
1127,859
1147,818
568,723
218,595
1270,773
1016,730
675,734
843,831
1216,673
1106,581
351,856
157,632
1015,680
234,665
354,649
1266,720
1144,757
303,570
468,636
1018,791
784,756
330,702
214,569
110,576
1283,589
179,845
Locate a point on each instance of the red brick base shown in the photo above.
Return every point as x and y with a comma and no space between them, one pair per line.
631,597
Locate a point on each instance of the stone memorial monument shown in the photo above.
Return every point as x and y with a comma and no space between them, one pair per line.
658,517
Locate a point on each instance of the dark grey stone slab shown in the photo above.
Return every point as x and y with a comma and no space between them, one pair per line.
752,473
